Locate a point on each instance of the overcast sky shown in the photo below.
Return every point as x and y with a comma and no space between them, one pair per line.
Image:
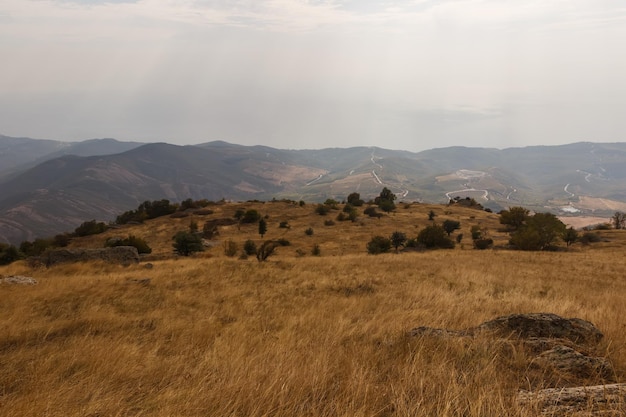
407,75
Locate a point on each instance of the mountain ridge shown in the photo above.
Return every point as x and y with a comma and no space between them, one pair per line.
59,193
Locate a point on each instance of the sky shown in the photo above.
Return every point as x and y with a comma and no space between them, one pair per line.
305,74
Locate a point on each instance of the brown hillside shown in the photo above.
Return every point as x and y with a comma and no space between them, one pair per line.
210,335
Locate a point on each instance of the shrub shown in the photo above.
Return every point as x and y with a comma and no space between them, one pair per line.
316,251
354,199
230,248
590,237
147,210
331,203
249,247
309,231
322,209
36,247
90,228
378,244
477,232
250,216
329,223
538,232
284,225
483,243
372,212
434,236
283,242
262,227
266,250
131,240
186,243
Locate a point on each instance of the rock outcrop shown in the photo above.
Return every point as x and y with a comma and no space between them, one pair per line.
563,352
18,280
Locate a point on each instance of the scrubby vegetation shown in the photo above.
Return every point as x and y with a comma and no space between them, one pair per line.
317,327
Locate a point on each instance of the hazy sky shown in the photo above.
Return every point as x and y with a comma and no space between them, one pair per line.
315,73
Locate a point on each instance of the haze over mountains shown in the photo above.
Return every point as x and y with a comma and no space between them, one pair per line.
48,187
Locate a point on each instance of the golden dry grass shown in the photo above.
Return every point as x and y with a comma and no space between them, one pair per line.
295,336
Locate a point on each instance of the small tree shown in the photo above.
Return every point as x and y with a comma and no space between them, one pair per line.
450,226
385,200
431,215
355,200
397,239
186,243
570,236
619,219
316,251
309,231
262,227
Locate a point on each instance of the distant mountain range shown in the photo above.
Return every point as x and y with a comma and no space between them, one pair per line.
48,187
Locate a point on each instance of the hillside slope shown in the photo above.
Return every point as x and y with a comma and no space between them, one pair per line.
58,194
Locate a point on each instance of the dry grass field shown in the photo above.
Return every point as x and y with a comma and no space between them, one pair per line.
298,335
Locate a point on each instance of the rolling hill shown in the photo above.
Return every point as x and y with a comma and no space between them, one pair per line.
45,192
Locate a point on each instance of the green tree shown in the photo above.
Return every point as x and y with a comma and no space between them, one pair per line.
397,239
538,233
514,217
355,200
619,219
262,227
450,226
570,236
186,243
385,200
378,244
434,236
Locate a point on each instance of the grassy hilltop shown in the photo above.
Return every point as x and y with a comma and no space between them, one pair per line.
298,335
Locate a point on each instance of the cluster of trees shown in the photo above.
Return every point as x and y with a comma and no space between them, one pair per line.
434,236
535,232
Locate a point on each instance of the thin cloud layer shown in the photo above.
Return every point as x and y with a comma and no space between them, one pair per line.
296,73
